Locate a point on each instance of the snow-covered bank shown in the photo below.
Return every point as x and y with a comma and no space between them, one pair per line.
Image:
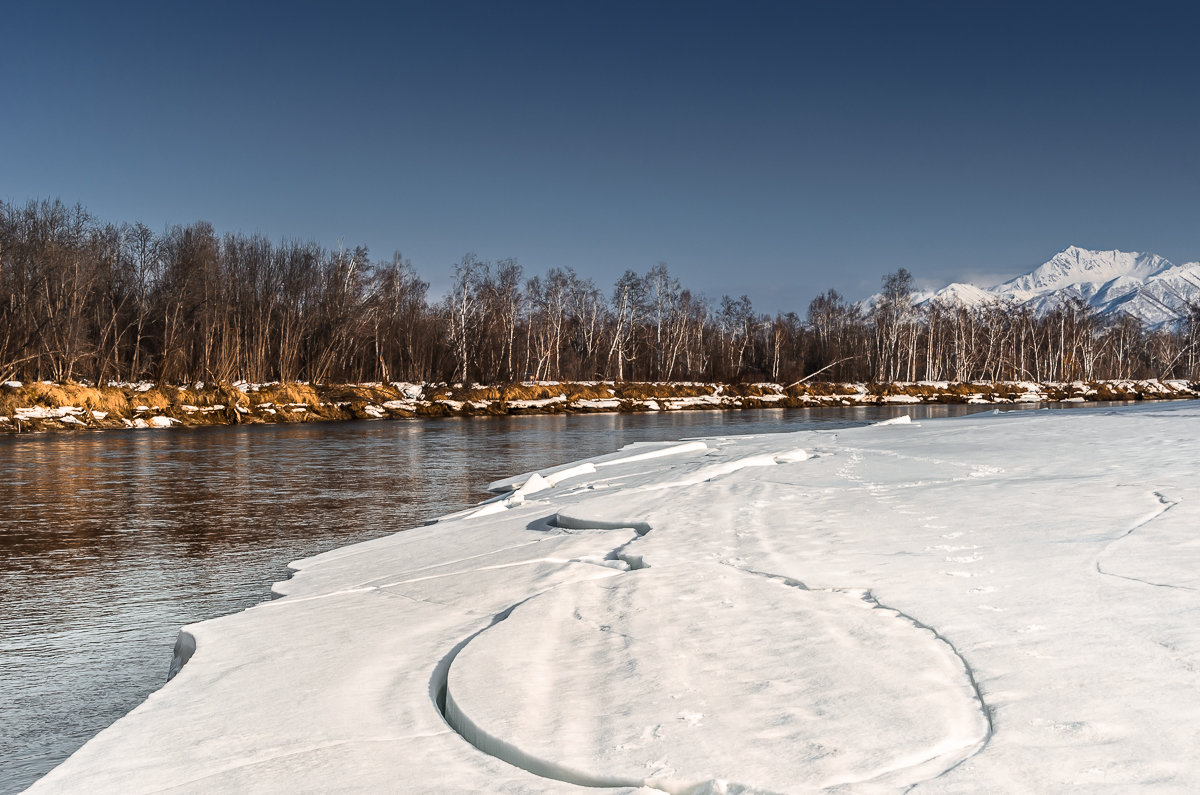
45,406
1005,602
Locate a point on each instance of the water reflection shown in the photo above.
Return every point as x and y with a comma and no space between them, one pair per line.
111,541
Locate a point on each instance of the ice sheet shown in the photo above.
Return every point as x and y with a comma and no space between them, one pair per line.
1005,602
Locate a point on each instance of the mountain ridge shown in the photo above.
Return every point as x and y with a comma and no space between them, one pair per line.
1147,286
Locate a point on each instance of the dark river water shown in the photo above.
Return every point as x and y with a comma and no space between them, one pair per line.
110,541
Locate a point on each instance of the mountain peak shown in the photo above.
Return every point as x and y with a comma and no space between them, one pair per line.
1144,285
1082,267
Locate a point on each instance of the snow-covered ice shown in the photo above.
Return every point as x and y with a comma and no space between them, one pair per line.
1005,602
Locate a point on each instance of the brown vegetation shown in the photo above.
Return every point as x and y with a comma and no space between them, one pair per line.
41,406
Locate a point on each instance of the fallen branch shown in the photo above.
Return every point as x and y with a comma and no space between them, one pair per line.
818,372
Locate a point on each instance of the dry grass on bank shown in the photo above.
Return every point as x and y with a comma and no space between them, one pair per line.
290,402
821,389
658,391
286,393
52,396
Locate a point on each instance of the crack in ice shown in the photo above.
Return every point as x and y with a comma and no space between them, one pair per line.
499,748
1166,504
869,597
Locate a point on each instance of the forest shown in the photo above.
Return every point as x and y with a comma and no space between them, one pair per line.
86,300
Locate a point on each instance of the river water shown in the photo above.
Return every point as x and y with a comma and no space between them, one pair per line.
110,541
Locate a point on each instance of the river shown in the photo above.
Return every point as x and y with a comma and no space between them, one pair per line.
110,541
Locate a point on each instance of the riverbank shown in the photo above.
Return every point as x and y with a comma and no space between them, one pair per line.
916,605
45,406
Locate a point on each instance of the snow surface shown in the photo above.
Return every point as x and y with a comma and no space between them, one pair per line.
1003,602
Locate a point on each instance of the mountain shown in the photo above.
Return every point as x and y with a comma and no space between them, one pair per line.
1146,286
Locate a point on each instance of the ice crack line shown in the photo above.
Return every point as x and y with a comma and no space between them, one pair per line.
1144,582
869,597
984,707
439,688
1165,504
791,582
498,748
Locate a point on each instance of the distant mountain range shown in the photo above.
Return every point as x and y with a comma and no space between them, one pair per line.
1146,286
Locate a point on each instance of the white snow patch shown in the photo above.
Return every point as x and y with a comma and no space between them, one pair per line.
600,403
528,404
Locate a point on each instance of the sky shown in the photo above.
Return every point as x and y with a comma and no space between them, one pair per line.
775,150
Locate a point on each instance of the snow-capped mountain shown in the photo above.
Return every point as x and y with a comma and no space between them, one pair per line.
1146,286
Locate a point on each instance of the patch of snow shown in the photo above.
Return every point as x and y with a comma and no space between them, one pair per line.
43,413
689,402
528,404
602,403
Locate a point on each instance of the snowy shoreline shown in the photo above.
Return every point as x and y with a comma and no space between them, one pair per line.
44,406
1003,600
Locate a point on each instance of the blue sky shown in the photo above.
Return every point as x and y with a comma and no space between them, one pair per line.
771,149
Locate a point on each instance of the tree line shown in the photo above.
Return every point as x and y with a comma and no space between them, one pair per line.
84,299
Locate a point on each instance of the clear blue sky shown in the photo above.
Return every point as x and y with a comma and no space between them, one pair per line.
772,149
